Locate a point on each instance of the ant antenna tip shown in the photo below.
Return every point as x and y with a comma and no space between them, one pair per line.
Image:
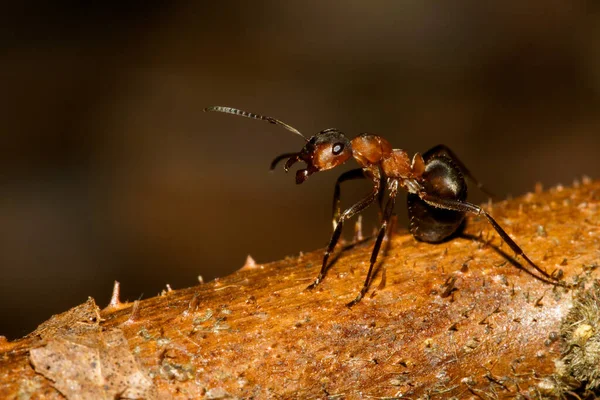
241,113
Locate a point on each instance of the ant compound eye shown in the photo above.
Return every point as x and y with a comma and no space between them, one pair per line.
337,148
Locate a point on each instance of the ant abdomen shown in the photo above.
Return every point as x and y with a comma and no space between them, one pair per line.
444,179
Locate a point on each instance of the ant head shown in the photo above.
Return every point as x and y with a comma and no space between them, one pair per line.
326,150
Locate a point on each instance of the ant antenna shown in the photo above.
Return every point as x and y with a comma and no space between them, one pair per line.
241,113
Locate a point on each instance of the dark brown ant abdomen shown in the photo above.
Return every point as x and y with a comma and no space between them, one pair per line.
443,179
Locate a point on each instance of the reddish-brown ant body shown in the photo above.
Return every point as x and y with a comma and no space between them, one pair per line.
435,182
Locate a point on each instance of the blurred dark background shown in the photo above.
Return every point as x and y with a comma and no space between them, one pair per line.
110,171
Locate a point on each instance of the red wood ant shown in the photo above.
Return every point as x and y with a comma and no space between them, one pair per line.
435,182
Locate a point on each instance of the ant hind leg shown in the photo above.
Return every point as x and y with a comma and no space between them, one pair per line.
458,205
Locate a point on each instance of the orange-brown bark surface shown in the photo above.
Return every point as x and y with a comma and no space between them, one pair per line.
457,319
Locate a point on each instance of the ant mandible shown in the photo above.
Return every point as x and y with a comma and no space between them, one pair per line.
435,182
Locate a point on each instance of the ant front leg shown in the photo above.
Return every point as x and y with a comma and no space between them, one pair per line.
387,214
458,205
348,213
357,173
444,150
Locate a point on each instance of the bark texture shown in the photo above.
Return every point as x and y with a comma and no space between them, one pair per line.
453,320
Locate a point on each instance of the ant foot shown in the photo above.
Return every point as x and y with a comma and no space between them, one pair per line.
557,274
355,301
314,284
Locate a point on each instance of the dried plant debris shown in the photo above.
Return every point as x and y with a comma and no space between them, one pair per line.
579,366
97,366
78,320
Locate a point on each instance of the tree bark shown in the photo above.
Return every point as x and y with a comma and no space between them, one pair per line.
458,319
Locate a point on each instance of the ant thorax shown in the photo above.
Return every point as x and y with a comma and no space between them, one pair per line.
398,165
369,149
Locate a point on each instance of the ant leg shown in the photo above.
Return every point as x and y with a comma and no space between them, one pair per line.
357,173
457,205
348,213
389,208
380,201
442,149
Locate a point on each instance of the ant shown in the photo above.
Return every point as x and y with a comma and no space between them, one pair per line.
434,180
